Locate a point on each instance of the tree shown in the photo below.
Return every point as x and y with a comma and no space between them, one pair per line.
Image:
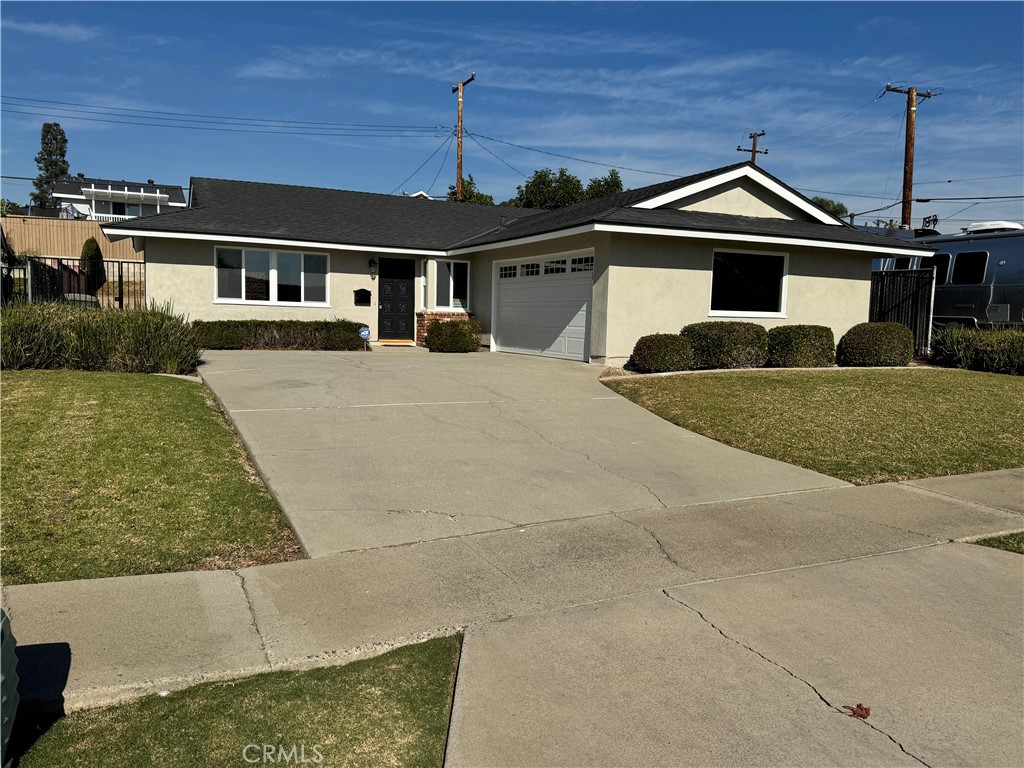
547,189
832,206
604,186
52,163
470,194
91,266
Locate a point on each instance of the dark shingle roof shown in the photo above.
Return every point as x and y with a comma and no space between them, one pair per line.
69,185
284,212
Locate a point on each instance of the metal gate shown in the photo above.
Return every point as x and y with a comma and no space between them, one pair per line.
905,296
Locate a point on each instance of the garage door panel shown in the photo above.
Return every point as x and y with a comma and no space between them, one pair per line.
544,314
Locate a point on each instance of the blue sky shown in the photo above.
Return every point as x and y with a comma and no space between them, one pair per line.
666,87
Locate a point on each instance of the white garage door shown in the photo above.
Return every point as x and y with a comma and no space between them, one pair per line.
543,306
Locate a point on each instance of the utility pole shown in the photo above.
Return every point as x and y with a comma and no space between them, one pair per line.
458,89
908,152
754,151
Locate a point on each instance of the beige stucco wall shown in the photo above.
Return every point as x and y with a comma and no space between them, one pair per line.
481,278
183,272
741,197
660,284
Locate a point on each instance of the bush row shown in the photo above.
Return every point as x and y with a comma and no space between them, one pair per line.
453,336
338,335
712,345
58,335
999,350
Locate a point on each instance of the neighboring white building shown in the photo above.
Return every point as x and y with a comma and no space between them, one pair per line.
111,200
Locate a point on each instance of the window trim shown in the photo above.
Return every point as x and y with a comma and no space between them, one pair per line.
450,307
273,301
780,315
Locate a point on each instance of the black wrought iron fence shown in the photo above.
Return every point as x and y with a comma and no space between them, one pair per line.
117,285
905,296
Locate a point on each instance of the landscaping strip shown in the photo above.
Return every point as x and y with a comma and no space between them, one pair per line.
864,427
108,474
389,710
1011,542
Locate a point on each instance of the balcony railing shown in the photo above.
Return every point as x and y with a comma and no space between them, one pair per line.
109,217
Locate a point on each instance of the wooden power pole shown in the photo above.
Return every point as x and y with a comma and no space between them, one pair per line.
754,151
908,152
458,180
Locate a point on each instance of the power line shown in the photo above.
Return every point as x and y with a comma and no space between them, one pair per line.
577,159
838,138
217,119
321,132
826,125
981,85
440,167
485,149
974,178
446,142
977,71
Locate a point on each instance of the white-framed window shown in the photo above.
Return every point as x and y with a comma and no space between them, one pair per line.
583,264
506,272
556,266
748,284
531,270
451,285
257,276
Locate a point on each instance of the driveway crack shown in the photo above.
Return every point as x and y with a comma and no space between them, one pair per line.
664,550
792,674
582,454
252,614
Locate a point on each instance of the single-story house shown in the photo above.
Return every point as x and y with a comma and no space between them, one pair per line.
582,283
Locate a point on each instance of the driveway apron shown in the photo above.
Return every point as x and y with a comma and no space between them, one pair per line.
399,445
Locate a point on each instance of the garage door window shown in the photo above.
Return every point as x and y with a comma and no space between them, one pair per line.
248,276
452,289
748,284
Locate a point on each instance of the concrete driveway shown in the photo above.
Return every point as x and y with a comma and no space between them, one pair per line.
399,445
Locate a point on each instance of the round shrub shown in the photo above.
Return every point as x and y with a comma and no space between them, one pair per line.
453,336
727,344
873,344
660,353
801,346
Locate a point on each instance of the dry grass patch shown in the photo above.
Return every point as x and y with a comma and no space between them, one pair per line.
392,710
113,474
858,425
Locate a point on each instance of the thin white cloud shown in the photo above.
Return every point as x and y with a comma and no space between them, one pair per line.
72,33
275,69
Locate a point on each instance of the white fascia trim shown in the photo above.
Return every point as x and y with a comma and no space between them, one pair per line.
524,240
69,197
739,173
831,244
123,233
176,205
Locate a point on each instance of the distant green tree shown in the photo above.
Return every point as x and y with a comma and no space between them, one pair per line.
604,186
550,190
52,163
832,206
470,193
91,266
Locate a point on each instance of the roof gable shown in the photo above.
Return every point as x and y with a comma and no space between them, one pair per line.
743,190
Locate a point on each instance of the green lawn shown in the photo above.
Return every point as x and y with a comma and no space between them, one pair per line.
1011,542
862,426
107,474
392,710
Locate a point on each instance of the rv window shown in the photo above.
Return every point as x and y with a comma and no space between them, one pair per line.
941,263
969,268
902,263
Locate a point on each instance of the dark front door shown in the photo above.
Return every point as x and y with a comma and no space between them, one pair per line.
397,313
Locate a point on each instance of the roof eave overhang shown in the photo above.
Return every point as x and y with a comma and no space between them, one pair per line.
880,250
114,234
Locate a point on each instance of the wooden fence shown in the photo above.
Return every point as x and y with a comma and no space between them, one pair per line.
62,238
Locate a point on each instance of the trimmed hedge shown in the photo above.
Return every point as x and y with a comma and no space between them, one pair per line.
453,336
801,346
58,335
727,344
661,353
875,344
997,350
337,335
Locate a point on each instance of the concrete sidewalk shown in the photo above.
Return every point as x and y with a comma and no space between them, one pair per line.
117,638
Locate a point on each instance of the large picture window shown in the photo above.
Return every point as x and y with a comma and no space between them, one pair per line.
271,277
452,285
748,283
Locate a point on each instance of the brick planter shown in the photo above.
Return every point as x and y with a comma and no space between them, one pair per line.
424,318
